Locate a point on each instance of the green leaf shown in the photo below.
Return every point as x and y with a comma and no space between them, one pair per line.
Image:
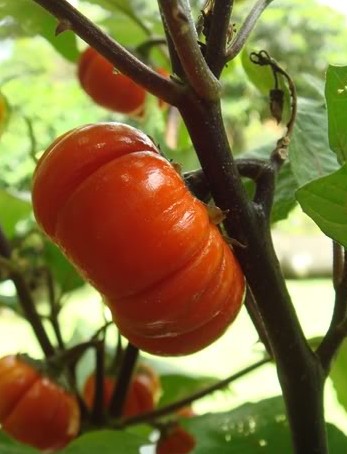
107,442
250,429
63,272
284,199
177,386
13,208
31,19
338,375
10,446
309,152
325,201
336,98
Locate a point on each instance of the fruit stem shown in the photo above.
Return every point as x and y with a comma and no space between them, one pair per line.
24,295
246,28
97,414
123,381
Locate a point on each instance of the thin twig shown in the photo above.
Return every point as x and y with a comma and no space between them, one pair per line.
263,174
32,138
98,414
143,50
102,330
123,381
118,356
28,306
249,23
149,416
258,322
218,35
54,308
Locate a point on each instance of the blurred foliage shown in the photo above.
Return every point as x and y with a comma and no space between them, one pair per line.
10,446
107,442
178,386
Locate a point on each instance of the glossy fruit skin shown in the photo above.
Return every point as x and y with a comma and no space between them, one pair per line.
123,215
140,398
33,409
176,441
106,87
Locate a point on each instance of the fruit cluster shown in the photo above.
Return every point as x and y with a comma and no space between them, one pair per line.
37,411
143,393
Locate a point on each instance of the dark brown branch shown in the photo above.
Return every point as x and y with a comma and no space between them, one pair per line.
68,359
150,416
175,61
218,36
98,414
117,356
124,61
263,174
246,29
123,381
259,171
183,34
143,50
54,308
299,371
